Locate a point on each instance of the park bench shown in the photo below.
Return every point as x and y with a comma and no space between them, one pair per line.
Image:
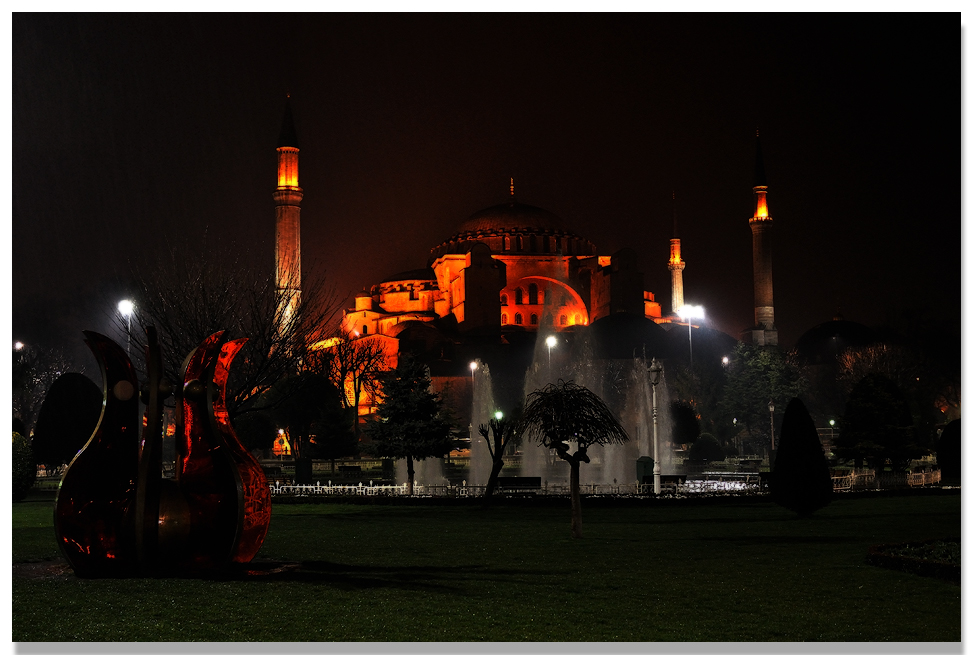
519,485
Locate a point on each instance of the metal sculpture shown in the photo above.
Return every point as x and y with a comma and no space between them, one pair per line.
115,515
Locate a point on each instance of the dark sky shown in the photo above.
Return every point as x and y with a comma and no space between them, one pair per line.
131,131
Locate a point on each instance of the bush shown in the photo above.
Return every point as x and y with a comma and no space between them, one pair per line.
66,420
23,469
948,451
800,480
706,449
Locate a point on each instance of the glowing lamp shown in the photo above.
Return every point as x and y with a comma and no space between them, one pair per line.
18,345
498,415
126,307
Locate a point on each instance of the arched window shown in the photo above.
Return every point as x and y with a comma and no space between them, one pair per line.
507,243
534,243
558,245
520,243
504,299
534,319
518,296
365,329
564,319
517,319
546,244
532,294
503,319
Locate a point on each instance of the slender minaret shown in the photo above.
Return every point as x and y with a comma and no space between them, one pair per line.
676,265
287,198
764,332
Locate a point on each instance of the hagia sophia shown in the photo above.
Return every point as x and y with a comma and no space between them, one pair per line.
507,273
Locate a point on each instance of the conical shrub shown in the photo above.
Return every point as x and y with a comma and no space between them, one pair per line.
800,480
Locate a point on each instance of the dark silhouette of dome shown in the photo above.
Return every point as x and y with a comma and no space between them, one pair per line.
709,345
512,216
624,336
824,342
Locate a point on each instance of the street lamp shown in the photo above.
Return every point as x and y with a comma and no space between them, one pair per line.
688,313
18,345
473,367
126,308
771,409
655,375
499,415
550,342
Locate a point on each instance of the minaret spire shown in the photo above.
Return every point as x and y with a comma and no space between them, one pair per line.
764,332
287,199
676,266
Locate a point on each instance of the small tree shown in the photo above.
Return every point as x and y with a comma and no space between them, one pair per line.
686,425
877,425
565,412
706,449
23,469
800,480
949,452
498,433
410,423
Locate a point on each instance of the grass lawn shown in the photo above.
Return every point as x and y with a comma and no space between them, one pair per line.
728,570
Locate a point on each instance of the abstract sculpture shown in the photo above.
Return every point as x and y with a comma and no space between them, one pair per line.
115,515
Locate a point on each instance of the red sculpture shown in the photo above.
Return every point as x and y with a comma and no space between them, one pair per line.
116,515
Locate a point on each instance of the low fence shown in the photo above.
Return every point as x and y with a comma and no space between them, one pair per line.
857,479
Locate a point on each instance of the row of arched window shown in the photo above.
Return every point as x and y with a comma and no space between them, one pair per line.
519,296
519,320
548,244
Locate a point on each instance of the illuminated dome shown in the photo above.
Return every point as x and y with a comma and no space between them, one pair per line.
510,217
515,228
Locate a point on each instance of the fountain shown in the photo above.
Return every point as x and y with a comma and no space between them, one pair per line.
483,409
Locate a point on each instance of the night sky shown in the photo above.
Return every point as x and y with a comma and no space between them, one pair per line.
133,131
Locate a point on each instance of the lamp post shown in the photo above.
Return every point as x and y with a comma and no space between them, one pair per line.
688,313
550,342
655,374
125,308
831,433
771,410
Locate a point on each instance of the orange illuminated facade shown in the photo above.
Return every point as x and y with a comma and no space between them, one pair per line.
511,267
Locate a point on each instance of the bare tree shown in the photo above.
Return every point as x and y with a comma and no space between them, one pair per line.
352,365
565,412
503,430
35,369
188,298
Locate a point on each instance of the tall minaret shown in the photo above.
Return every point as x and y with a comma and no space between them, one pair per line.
287,198
676,265
764,332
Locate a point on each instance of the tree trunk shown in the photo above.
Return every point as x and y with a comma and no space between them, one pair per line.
495,471
409,475
576,500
